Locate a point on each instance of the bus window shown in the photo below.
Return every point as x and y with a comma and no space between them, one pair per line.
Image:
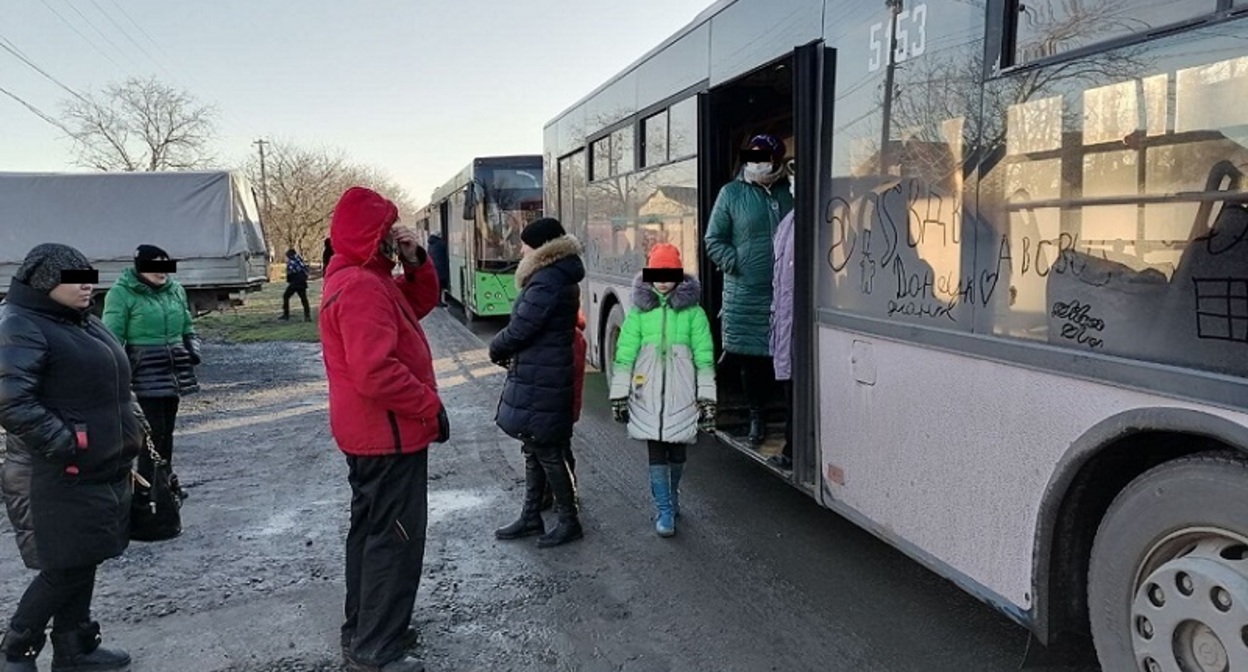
622,151
513,199
601,150
1052,27
682,137
654,140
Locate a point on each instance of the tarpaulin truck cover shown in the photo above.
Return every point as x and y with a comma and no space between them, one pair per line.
194,215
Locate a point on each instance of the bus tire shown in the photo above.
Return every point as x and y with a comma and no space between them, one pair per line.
1168,578
610,338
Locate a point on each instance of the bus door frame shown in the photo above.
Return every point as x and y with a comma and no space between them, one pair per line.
814,74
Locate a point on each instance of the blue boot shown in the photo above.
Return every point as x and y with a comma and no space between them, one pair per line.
661,488
678,470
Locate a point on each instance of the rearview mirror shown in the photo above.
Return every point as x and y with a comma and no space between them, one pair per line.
473,195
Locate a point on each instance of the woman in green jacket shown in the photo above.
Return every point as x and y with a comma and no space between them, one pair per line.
663,384
738,240
149,313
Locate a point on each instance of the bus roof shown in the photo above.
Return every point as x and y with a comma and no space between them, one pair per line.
463,177
702,18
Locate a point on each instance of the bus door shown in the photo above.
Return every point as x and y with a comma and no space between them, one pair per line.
758,102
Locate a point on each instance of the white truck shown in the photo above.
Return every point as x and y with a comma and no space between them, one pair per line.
207,221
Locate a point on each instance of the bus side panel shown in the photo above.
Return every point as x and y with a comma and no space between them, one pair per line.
954,453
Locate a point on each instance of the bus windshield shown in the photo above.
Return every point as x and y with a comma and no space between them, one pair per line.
513,199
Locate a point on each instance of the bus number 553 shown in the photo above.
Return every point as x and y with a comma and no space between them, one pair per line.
911,23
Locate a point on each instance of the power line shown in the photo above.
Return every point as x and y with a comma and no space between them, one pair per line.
124,32
144,33
99,32
80,34
37,112
8,46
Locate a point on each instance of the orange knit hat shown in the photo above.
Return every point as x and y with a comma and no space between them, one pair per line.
664,255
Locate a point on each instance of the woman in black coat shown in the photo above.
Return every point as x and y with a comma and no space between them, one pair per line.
74,428
537,401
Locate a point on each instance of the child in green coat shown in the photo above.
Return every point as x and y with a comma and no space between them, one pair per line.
663,383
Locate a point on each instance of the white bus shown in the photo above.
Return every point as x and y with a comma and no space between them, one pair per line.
1022,292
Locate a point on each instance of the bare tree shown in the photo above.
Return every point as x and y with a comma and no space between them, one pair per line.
305,183
140,125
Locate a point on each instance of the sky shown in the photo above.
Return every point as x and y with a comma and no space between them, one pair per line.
416,88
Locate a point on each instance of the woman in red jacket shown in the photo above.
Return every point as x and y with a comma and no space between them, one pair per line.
384,412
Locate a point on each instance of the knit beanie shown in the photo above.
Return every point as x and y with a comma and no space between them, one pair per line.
771,144
150,253
664,255
43,265
542,231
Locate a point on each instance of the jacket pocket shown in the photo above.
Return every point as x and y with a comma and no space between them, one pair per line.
395,434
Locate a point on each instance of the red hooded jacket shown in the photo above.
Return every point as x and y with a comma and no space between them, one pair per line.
383,396
578,353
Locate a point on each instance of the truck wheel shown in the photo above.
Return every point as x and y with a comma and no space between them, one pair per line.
1168,581
611,338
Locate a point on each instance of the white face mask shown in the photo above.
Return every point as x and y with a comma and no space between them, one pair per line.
761,173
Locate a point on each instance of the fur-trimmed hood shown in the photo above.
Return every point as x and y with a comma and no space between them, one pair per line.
688,293
547,255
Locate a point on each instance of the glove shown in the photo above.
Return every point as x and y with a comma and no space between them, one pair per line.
706,415
191,342
619,410
444,426
500,359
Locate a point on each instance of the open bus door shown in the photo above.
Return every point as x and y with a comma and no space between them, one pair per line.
783,98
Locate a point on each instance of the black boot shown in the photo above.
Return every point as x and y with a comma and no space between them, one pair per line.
548,499
530,520
21,648
560,478
758,428
411,637
79,651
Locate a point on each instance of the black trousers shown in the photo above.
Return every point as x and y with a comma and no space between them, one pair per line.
758,377
62,596
162,415
385,552
292,290
667,453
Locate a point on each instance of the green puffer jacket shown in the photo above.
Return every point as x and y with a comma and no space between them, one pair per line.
738,240
154,324
664,363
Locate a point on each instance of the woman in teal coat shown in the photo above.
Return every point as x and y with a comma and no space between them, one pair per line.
739,241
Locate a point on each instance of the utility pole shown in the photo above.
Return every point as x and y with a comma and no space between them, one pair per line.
894,7
264,192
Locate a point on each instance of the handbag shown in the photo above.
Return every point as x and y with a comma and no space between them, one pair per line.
155,509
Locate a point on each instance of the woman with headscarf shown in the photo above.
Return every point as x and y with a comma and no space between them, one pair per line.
739,241
148,312
73,428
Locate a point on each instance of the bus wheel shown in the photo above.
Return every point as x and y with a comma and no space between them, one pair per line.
611,338
1168,581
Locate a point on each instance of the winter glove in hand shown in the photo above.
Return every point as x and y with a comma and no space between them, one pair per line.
706,415
499,358
191,343
444,426
619,410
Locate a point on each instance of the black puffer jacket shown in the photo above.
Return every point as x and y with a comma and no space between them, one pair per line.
536,345
65,384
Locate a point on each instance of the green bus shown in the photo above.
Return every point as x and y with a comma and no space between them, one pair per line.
480,213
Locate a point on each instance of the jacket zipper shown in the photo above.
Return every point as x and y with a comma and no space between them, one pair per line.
663,367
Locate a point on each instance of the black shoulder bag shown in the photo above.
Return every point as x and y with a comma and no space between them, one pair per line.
155,509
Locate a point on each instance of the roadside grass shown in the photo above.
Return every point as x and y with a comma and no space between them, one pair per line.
256,321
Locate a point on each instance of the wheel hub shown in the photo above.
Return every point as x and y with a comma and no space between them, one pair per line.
1191,613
